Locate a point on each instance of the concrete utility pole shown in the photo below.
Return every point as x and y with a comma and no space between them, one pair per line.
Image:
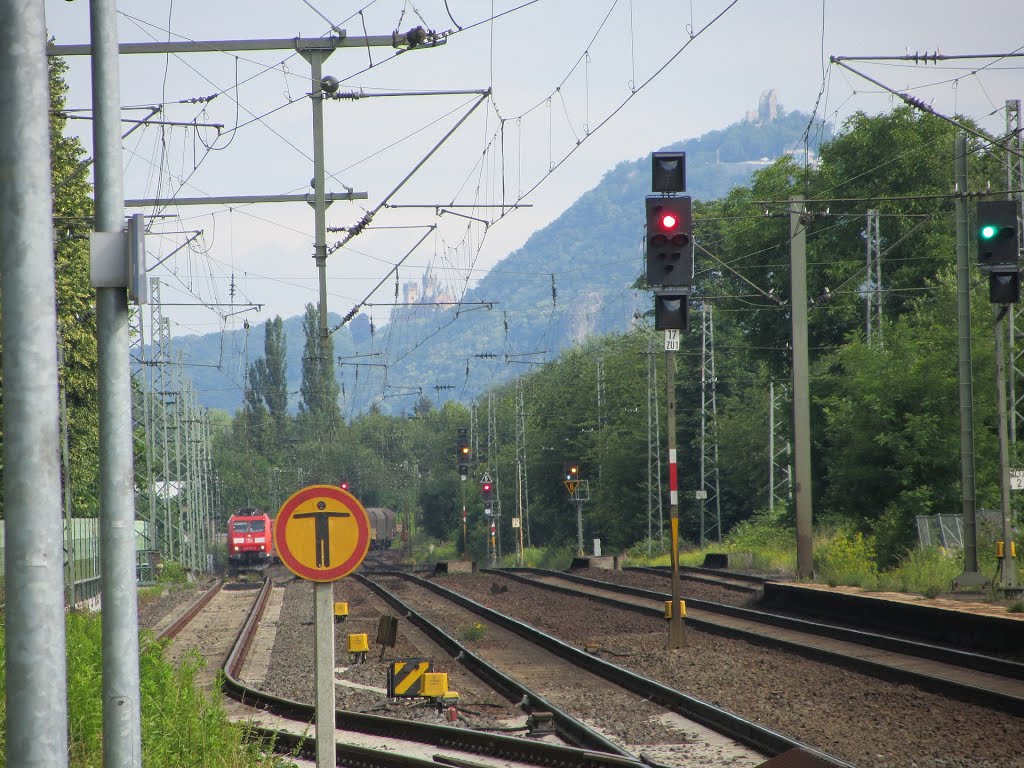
873,294
35,653
971,577
122,718
798,220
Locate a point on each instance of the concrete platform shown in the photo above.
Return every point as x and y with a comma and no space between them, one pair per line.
981,626
454,566
737,561
605,562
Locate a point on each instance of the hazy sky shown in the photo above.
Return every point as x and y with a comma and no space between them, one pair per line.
576,88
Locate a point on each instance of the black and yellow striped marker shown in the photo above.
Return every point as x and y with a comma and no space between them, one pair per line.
404,676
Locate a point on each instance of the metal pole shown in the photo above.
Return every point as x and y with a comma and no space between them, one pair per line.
122,721
1007,583
465,535
801,387
1014,179
771,446
323,618
971,577
579,528
676,639
35,654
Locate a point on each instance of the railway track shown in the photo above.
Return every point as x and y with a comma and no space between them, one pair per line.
362,739
529,660
982,680
739,582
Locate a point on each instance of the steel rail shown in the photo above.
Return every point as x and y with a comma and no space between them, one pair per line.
568,727
744,731
440,736
952,656
171,630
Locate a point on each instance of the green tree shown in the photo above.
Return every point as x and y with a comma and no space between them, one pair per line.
271,370
891,442
319,389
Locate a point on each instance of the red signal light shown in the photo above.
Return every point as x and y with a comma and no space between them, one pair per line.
487,487
669,221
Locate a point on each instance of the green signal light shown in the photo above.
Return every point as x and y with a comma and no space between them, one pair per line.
989,231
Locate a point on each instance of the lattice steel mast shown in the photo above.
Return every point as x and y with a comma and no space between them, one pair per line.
709,480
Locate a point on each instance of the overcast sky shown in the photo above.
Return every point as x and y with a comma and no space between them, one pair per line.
576,89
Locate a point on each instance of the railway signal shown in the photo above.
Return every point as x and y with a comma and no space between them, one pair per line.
345,486
669,241
998,243
571,471
487,492
671,311
462,451
999,249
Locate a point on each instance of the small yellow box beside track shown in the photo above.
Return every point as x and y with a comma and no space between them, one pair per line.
668,609
358,643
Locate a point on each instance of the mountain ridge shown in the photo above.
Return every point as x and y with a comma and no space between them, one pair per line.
573,280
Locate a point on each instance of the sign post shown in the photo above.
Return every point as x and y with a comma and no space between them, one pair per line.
322,534
1016,479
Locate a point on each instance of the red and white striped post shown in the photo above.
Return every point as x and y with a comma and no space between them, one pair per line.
675,624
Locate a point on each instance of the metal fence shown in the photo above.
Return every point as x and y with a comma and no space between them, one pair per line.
82,557
948,530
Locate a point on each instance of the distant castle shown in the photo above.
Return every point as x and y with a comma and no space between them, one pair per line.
767,108
426,290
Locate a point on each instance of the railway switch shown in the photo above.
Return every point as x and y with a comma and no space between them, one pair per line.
668,609
540,724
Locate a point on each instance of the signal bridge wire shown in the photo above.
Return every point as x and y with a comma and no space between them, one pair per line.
368,216
769,296
355,310
999,143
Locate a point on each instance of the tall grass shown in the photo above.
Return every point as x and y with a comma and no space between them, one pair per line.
182,726
924,571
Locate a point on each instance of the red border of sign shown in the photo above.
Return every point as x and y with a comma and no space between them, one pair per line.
351,503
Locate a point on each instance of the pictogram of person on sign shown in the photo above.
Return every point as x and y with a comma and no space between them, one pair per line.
322,518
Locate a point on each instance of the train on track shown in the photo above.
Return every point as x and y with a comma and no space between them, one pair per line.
250,539
383,527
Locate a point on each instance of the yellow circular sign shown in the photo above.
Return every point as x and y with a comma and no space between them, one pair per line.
322,533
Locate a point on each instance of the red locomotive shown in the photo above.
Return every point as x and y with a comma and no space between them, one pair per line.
250,538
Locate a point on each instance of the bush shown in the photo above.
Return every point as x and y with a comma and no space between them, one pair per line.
769,537
926,571
847,558
171,573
